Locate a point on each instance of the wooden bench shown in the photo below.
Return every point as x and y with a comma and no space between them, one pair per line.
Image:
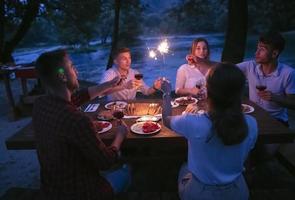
286,155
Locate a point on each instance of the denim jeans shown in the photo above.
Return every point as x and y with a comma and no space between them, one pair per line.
191,188
120,179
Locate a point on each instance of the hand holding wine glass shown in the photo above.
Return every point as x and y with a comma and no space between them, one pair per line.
190,59
261,87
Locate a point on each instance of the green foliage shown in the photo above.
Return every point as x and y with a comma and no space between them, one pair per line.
75,20
130,22
271,14
191,16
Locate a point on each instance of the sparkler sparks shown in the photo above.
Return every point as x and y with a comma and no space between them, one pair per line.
163,47
153,54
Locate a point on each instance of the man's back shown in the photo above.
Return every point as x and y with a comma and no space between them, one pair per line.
69,153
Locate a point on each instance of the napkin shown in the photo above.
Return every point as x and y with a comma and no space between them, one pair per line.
92,107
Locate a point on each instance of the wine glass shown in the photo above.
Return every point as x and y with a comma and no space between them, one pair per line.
190,59
118,112
261,86
202,89
138,76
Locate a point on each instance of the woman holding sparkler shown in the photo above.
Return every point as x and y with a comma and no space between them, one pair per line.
190,78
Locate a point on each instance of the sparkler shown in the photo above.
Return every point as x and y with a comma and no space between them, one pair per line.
163,48
153,54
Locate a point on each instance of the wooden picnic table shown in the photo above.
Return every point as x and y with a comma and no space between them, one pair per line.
21,72
270,130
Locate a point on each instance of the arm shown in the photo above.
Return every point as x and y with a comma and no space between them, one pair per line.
285,101
156,86
99,90
167,109
84,137
188,91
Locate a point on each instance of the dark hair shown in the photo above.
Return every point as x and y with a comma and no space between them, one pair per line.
195,43
120,50
225,85
274,39
49,64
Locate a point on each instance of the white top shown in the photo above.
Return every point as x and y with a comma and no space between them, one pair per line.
280,82
188,76
209,159
124,94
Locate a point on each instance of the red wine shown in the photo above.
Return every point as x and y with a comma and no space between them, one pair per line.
118,114
138,76
260,87
190,59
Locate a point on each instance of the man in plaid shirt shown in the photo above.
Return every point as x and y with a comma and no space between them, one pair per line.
69,152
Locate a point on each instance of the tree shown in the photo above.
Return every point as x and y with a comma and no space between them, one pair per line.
29,15
236,34
74,19
115,32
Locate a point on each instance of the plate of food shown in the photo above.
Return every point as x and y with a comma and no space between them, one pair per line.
145,128
184,101
247,108
174,104
102,126
120,104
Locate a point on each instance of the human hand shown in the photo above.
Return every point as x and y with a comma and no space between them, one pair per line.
137,83
191,108
194,91
190,59
265,95
158,83
129,85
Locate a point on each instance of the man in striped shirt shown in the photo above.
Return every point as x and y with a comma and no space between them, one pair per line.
129,85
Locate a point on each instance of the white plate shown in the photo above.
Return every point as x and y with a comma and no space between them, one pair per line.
121,104
174,104
137,128
185,98
249,108
149,118
106,128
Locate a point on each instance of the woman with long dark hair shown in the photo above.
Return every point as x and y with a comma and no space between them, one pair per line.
219,140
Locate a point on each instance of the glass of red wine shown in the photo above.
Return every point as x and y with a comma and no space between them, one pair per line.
190,59
138,76
261,85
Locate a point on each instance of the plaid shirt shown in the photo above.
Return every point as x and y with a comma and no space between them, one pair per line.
69,153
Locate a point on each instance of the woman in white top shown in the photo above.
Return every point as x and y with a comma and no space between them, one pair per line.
190,78
219,140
